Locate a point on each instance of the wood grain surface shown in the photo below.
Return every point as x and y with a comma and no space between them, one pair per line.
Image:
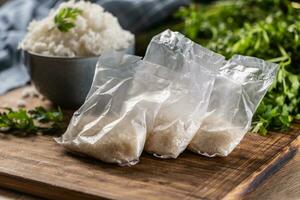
284,185
14,195
39,166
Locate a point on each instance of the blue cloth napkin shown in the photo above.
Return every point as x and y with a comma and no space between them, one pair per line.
15,15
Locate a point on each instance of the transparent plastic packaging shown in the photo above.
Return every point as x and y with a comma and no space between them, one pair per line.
239,87
122,104
180,95
180,116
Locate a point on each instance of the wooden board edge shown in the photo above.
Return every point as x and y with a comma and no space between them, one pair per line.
268,169
40,189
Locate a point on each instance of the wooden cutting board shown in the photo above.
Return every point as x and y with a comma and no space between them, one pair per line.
39,166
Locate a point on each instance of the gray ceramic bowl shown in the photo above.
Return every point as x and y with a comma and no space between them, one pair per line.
64,81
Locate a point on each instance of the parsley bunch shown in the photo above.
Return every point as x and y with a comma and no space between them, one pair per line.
268,29
65,19
32,121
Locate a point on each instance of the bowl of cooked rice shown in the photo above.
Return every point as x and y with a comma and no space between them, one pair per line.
61,50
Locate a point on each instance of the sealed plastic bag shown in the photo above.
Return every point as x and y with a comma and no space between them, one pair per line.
240,86
180,116
122,104
175,51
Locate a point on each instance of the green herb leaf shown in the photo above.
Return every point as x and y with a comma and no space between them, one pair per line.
65,18
28,122
272,33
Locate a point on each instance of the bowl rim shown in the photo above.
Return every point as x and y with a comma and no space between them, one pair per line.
59,57
73,57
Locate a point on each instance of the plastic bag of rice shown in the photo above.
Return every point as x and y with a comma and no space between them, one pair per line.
76,29
239,87
181,115
120,109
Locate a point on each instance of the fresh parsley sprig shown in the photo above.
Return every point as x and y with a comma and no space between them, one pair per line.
30,122
65,19
272,33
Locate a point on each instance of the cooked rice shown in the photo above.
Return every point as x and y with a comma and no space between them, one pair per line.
95,31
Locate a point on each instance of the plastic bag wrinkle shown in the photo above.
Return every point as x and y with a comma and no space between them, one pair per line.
113,122
181,115
239,87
